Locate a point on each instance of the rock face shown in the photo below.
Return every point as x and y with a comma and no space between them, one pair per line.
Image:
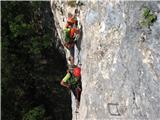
120,60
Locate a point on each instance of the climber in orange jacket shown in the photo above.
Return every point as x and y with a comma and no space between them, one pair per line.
71,21
71,36
71,31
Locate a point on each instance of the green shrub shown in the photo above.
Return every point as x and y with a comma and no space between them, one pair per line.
72,3
148,18
146,12
36,113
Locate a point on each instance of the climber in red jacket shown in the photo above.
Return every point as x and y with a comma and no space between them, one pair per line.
72,81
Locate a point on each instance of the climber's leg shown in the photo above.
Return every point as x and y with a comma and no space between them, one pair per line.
79,89
73,89
71,59
78,92
71,49
77,104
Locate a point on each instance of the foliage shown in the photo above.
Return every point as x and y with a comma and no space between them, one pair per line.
146,12
72,3
32,66
148,17
36,113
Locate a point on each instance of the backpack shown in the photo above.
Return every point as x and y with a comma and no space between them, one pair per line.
67,34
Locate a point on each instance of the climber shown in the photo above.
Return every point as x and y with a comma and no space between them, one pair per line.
72,81
71,31
71,36
71,21
71,60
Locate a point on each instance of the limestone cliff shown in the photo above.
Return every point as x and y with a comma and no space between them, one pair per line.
120,59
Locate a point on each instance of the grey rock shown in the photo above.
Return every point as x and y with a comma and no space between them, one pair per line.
120,61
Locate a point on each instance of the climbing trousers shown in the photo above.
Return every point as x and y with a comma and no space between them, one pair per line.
76,90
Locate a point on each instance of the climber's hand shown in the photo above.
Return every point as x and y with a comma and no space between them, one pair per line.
79,89
68,86
67,71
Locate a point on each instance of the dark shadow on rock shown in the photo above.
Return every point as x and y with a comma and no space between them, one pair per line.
78,43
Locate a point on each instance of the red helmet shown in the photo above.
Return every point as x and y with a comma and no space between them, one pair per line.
77,72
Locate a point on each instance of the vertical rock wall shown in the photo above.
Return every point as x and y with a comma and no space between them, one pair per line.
120,60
